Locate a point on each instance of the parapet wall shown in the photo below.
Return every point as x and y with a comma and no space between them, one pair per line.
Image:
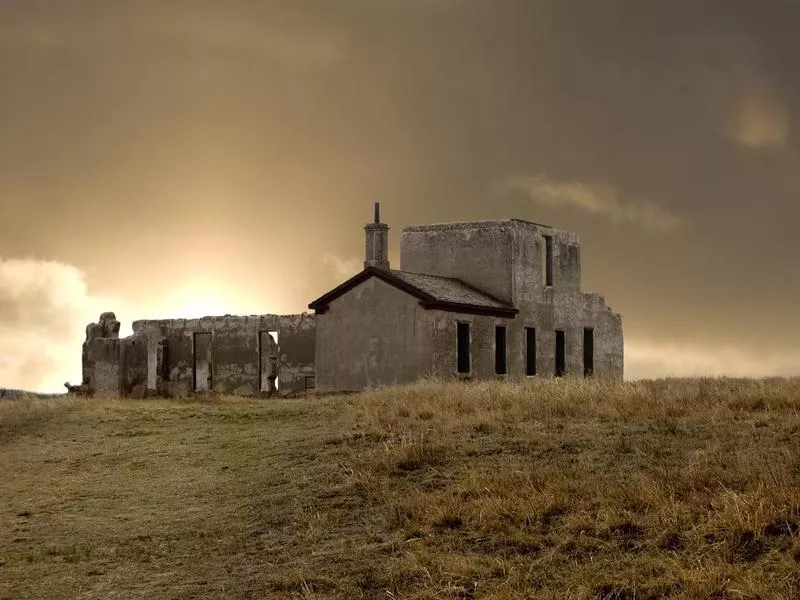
504,258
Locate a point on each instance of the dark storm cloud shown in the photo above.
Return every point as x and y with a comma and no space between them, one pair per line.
164,146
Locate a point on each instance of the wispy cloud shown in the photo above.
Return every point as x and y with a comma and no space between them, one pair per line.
44,309
343,268
761,119
741,93
646,359
593,198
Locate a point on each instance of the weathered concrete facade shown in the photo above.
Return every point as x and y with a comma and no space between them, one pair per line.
488,299
241,355
376,334
512,284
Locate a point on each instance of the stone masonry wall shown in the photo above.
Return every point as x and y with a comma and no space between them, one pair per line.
506,258
240,356
240,351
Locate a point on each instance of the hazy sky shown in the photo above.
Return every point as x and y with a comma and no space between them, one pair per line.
171,158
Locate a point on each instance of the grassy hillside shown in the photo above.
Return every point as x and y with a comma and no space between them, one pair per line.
553,489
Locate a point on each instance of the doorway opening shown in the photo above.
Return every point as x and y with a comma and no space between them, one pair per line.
588,351
530,351
500,350
268,361
202,361
463,347
561,353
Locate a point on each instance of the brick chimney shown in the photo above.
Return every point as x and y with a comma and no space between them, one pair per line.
377,238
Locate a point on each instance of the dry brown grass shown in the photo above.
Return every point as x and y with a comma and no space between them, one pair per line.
548,489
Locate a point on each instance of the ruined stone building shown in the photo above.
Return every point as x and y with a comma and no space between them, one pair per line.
482,300
247,355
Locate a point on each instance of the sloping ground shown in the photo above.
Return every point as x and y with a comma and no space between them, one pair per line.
553,489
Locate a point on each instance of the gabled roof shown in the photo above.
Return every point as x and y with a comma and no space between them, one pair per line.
441,293
447,289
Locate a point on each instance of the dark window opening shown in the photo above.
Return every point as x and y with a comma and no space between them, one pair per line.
500,350
463,348
530,351
588,351
561,354
548,260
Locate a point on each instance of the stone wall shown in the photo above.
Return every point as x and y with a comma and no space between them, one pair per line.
101,357
177,357
503,258
373,335
104,378
545,319
514,271
376,334
479,254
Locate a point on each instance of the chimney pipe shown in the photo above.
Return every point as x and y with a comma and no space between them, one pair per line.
377,242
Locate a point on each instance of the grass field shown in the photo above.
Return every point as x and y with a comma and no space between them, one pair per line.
549,489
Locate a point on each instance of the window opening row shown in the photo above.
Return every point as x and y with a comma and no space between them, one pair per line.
501,351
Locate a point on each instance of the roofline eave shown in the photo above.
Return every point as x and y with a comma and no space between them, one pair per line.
508,312
320,305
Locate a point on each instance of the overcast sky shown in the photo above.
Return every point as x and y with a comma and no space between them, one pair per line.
172,158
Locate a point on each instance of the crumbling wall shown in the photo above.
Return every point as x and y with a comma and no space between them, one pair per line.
297,339
237,358
100,357
235,355
133,367
177,367
104,378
